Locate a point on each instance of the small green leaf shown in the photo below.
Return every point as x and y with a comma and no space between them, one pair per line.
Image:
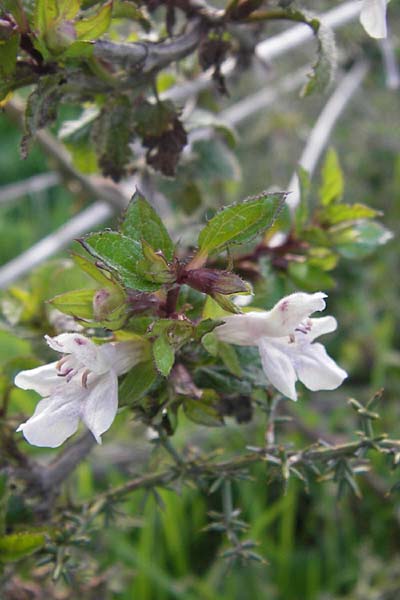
154,267
8,53
41,108
141,222
310,278
102,277
230,359
360,239
91,28
121,254
204,411
332,179
18,545
239,223
137,383
337,213
164,355
210,343
323,70
111,134
78,303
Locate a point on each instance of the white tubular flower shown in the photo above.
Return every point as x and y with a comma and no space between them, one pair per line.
285,336
373,18
82,385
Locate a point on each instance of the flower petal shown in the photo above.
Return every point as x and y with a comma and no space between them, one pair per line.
278,368
289,312
243,330
83,349
321,326
101,404
55,418
317,370
122,356
373,18
42,380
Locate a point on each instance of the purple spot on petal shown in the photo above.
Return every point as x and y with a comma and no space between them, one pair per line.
283,306
79,341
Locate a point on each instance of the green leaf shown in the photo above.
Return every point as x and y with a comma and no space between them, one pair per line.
210,343
214,162
230,359
8,53
137,382
360,239
79,50
92,270
141,222
323,70
164,355
18,545
332,179
154,267
121,254
93,27
310,278
111,134
240,222
204,411
334,214
41,108
46,13
78,303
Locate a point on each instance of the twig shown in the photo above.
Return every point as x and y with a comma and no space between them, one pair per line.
88,219
57,153
273,47
32,185
57,471
321,132
210,469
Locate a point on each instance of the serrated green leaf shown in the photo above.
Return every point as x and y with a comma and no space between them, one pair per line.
91,269
91,28
239,223
46,13
164,355
203,411
141,222
121,254
18,545
334,214
332,179
137,383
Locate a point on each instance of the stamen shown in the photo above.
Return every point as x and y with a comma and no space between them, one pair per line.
85,376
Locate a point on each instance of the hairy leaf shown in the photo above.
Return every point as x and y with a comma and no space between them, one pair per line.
141,222
332,179
239,223
164,355
121,254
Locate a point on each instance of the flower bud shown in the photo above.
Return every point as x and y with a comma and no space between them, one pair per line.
213,281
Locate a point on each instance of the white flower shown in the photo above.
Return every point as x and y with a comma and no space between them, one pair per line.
373,18
284,337
82,385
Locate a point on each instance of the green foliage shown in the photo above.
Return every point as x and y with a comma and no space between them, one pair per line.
15,546
238,224
142,223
